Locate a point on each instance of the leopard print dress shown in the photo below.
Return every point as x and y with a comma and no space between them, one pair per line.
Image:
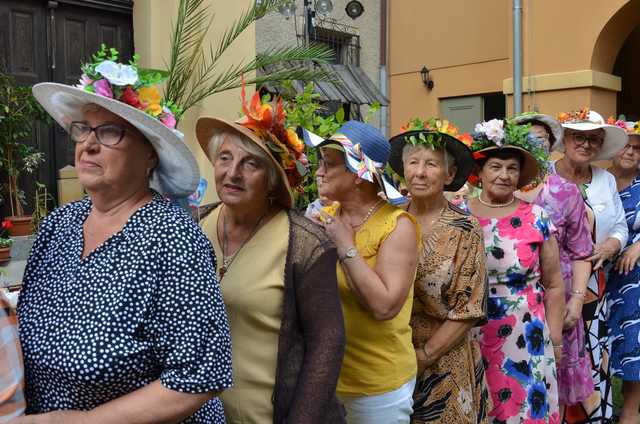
451,284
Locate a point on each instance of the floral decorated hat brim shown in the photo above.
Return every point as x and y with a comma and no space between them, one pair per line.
587,120
455,147
131,93
358,163
632,128
206,127
177,174
130,84
529,171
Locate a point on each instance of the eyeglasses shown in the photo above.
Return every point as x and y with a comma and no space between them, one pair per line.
634,147
107,134
580,139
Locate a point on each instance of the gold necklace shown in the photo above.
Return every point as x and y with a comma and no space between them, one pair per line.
497,205
368,215
228,260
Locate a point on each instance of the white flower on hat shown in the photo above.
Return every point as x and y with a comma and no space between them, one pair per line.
117,73
493,130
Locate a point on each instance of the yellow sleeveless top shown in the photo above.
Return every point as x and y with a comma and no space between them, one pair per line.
379,355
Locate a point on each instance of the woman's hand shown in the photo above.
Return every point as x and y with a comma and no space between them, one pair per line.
424,361
57,417
603,252
421,359
339,232
572,312
628,260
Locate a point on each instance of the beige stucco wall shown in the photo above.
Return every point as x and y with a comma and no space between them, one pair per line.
467,45
464,44
275,31
152,27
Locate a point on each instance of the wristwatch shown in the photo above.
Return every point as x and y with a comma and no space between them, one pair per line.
351,253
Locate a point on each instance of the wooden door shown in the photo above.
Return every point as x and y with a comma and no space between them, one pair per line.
78,33
48,41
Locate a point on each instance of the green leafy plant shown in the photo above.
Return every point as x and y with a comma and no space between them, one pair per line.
305,110
19,112
195,72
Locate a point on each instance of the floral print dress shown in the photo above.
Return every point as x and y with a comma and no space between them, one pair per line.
515,343
562,200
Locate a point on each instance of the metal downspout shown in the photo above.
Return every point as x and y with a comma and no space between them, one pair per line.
517,57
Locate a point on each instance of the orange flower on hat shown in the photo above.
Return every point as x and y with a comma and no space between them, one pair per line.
581,115
294,141
257,114
466,139
150,97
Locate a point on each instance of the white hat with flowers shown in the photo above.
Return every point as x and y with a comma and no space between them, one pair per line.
615,136
131,93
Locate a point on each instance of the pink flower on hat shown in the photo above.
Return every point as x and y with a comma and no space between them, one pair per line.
103,88
84,81
168,119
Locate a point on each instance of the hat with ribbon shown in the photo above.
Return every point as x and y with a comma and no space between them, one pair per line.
366,154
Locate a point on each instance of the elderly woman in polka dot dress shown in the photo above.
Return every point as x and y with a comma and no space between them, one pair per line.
277,274
121,316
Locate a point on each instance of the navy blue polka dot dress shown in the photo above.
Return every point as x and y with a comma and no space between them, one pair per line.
145,305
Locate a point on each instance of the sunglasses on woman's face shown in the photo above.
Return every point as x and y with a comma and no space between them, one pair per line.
107,134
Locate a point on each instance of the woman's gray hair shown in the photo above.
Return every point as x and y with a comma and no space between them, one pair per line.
249,146
409,149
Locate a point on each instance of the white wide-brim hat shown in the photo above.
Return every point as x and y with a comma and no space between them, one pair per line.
615,138
177,174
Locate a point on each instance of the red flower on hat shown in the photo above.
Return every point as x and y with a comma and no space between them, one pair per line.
478,155
473,179
130,97
6,224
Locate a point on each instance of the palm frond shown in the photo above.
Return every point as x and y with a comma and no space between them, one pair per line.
231,77
195,75
188,34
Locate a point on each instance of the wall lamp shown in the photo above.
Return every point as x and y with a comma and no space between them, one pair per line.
426,78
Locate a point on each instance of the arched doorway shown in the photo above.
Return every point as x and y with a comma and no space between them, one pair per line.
613,53
627,67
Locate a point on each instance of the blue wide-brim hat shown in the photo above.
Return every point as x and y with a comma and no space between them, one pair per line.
366,154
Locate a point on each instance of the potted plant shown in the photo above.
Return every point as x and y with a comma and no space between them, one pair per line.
5,242
19,112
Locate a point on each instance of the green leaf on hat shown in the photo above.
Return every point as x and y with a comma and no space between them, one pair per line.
148,76
274,148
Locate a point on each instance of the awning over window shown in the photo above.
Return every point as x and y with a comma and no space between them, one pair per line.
351,85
